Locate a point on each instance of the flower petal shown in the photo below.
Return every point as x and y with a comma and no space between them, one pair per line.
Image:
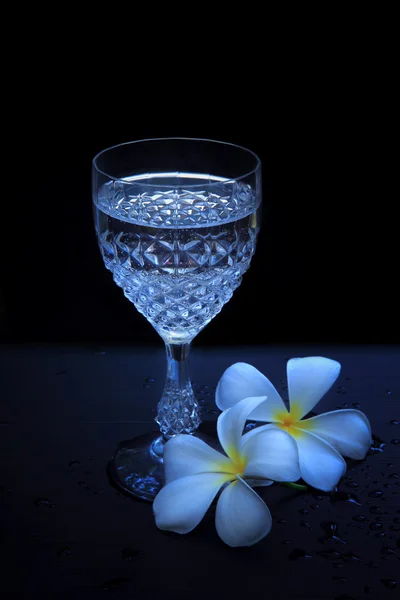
258,482
247,436
348,431
243,381
308,380
181,504
187,455
321,466
231,422
271,454
241,517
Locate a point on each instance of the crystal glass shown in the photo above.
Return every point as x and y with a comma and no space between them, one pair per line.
176,221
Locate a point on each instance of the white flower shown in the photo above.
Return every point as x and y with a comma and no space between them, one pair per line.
321,440
195,473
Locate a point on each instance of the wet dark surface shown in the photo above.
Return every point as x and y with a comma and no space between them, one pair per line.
65,532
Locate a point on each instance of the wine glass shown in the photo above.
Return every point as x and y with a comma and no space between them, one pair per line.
176,221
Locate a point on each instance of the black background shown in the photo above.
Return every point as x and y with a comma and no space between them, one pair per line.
320,118
312,93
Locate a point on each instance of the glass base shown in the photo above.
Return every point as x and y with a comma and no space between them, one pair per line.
137,467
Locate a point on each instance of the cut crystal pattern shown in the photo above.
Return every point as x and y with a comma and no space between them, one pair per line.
178,412
179,278
222,201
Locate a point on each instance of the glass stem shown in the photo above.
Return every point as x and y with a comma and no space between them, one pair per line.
178,410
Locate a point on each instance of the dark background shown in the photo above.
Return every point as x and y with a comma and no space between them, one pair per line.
313,94
321,122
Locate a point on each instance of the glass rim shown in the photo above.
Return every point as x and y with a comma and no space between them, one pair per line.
165,139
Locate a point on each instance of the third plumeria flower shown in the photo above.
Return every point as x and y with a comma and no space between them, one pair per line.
321,440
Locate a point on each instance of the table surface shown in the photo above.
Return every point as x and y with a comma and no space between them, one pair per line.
66,532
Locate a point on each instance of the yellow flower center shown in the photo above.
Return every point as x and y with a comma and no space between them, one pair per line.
291,422
237,463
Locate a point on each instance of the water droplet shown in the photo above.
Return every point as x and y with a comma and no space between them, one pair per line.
377,510
64,552
367,589
390,583
282,521
314,506
113,583
381,534
375,494
394,476
387,551
61,373
73,463
212,411
284,542
356,405
298,553
345,497
375,526
329,554
351,484
150,380
351,556
396,520
377,444
388,392
130,553
338,578
372,565
83,484
395,441
337,566
359,518
331,531
303,511
43,502
250,425
146,386
305,524
394,422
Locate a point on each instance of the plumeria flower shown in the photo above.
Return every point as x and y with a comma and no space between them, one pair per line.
195,473
321,440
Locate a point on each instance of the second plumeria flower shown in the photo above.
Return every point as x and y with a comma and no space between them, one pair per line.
195,473
321,440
